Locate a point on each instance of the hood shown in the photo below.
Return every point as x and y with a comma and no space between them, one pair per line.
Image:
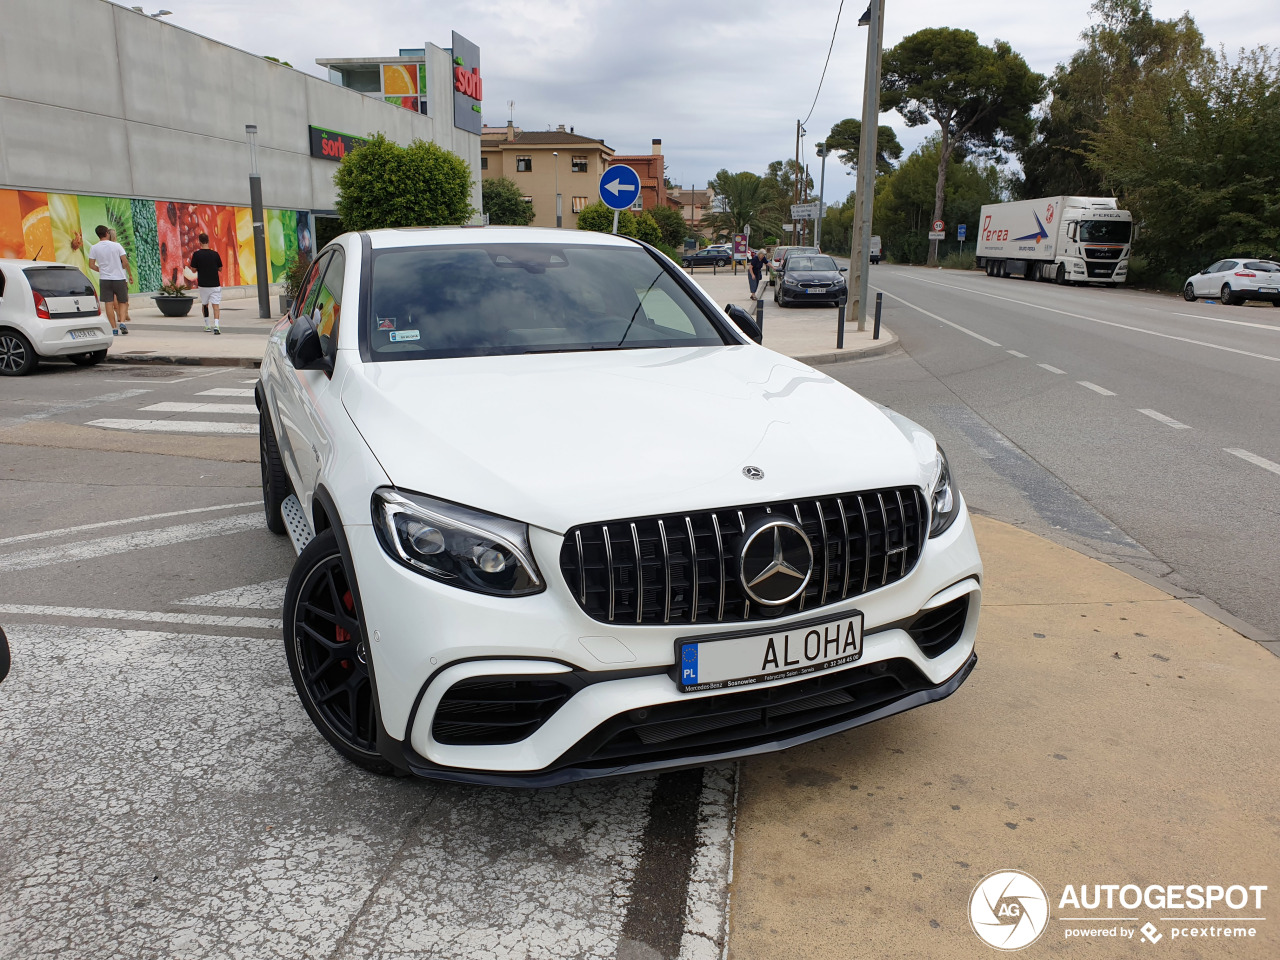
556,440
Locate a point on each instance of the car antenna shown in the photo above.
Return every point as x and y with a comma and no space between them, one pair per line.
38,252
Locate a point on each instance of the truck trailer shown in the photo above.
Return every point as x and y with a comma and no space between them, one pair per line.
1063,239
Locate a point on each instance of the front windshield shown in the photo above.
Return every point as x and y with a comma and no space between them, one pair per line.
811,263
468,300
1105,231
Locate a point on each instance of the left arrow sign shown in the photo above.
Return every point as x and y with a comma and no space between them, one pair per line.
617,185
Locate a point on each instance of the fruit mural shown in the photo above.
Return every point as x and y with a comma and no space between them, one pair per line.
159,235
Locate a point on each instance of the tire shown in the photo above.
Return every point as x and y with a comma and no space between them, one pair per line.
721,263
88,359
1031,271
1189,293
17,356
684,263
328,656
1227,296
275,482
1060,275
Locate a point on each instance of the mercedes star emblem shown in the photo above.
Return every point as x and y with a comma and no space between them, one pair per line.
775,562
753,473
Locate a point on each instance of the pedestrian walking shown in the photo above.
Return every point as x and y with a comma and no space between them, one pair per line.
755,274
122,309
207,265
111,262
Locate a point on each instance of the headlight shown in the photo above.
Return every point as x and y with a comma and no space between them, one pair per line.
944,503
457,545
791,281
838,281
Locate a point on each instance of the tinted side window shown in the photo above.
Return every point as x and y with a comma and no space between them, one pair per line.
308,284
1260,265
327,307
307,297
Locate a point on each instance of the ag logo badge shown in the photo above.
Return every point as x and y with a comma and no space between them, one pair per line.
1008,909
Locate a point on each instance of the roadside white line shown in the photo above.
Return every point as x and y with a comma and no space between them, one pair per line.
248,381
196,376
1081,316
1238,323
123,523
1253,458
268,595
175,426
1095,388
1021,356
226,392
149,616
1045,366
949,323
171,406
139,540
1167,421
706,917
70,405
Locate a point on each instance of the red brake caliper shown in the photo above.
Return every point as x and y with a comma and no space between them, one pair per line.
341,635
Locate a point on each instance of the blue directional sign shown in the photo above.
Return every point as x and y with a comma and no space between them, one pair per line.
960,231
619,187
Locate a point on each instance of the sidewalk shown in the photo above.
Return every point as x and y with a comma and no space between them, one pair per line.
806,333
1110,734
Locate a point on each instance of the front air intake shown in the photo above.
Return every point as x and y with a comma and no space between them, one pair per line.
493,710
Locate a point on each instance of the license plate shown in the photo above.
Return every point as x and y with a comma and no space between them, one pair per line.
715,663
1269,289
816,290
83,334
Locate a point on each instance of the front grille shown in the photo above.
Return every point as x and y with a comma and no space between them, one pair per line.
815,284
936,631
1103,253
1100,269
683,568
746,718
497,709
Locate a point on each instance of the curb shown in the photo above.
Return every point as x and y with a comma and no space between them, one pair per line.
157,358
878,350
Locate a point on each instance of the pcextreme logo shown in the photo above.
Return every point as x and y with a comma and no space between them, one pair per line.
1009,909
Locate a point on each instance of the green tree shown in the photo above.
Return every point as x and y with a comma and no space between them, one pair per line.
647,228
672,225
599,218
782,174
504,203
744,199
981,97
382,184
845,139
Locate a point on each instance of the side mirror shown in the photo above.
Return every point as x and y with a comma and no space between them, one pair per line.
844,269
303,347
744,321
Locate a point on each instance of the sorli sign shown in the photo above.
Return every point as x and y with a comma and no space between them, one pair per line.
468,88
468,83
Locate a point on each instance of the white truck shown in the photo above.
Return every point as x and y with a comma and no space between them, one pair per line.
1063,239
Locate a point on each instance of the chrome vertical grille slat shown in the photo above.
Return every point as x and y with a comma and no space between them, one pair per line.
600,572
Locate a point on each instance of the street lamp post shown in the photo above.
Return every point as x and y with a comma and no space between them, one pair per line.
860,253
259,234
822,186
555,162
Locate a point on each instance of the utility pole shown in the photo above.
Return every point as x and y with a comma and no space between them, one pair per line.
822,186
795,187
555,162
860,254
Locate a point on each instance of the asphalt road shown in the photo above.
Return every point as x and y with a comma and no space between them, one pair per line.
1137,426
163,792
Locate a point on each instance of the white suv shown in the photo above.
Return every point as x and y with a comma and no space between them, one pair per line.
48,310
558,517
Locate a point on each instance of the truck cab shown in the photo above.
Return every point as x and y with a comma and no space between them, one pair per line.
1063,239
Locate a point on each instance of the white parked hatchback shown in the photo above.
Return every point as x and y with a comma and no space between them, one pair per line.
1235,281
559,517
48,310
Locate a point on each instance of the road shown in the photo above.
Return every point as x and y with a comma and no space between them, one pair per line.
1138,426
165,795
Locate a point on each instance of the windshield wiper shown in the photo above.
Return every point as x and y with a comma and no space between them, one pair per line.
636,312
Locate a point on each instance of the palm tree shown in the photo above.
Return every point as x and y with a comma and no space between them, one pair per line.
743,199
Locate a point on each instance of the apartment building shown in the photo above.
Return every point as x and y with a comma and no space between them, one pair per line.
544,163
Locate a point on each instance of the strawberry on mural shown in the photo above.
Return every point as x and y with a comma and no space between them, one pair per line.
219,223
177,227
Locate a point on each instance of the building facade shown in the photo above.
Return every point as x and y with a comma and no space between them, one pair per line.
111,116
544,163
651,168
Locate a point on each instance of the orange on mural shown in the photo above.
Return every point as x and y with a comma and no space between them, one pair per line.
37,229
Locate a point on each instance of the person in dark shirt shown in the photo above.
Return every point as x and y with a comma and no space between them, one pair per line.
207,266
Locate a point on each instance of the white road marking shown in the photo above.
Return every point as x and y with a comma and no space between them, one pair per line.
248,381
1081,316
175,426
196,376
268,595
70,405
1045,366
122,523
170,406
1238,323
1253,458
707,904
949,323
139,540
1022,356
226,392
142,616
1095,388
1167,421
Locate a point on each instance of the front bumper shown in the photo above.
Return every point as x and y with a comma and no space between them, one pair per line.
426,637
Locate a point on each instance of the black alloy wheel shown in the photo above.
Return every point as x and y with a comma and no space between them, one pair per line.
1189,293
16,354
1227,297
88,359
328,653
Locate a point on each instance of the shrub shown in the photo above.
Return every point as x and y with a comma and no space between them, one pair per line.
599,218
382,184
504,203
959,261
646,229
672,225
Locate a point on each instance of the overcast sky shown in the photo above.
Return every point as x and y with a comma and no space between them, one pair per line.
721,84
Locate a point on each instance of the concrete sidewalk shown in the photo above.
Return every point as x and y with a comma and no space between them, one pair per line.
1110,734
806,333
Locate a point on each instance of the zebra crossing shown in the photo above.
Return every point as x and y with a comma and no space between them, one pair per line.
212,402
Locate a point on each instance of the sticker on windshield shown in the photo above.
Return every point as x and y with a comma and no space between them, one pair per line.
386,323
400,336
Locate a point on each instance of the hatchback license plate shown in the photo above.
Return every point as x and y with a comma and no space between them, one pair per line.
1269,289
816,290
83,334
715,663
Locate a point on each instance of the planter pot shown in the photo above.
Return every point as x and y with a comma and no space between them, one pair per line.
174,306
286,304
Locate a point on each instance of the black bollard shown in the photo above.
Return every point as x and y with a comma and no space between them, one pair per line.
876,333
760,309
840,328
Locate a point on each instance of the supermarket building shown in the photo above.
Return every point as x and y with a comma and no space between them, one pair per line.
110,116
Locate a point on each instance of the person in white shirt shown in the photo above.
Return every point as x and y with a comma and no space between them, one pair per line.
115,273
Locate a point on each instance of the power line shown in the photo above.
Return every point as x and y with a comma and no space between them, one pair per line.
830,47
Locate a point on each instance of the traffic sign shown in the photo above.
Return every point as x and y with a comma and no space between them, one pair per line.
939,225
960,231
619,187
804,211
